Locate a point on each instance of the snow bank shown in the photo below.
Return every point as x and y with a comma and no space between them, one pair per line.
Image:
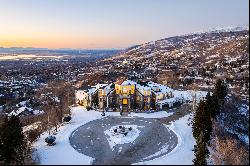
63,152
182,154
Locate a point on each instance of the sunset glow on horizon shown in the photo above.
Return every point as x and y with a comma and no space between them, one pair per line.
111,23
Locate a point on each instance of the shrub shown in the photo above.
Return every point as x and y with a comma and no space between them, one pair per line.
89,108
115,130
50,140
67,118
130,128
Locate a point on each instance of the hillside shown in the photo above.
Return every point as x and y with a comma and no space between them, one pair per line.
195,60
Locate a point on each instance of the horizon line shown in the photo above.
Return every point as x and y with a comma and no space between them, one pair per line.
243,26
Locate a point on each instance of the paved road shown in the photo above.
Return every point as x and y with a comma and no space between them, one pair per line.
178,113
90,140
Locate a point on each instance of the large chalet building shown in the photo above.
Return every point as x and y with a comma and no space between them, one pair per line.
124,95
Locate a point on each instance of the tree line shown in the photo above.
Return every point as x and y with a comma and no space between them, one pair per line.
216,126
208,110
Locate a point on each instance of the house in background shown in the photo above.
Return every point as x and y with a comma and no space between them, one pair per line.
87,97
82,97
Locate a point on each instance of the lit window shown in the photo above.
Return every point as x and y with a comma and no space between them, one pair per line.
125,101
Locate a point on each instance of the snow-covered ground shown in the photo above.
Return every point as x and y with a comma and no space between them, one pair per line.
64,153
31,126
119,138
244,109
182,154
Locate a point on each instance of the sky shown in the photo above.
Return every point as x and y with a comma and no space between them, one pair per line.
111,23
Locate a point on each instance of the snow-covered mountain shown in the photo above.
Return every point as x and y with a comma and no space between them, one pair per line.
201,56
229,29
198,42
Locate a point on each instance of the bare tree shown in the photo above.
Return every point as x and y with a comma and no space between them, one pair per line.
229,152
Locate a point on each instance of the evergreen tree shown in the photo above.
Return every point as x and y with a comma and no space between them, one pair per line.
202,122
201,152
220,91
202,128
212,105
12,143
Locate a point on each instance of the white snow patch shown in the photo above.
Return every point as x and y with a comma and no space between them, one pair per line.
114,138
120,149
31,127
244,109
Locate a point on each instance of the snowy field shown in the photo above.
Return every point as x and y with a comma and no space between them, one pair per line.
64,153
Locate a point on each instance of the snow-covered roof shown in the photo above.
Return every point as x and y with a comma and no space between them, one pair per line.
22,109
96,87
142,88
128,82
108,88
139,87
159,88
167,101
184,95
17,112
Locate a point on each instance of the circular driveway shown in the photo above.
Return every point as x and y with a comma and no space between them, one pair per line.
154,140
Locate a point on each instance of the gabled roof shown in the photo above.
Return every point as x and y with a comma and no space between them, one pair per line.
120,81
95,88
162,88
108,88
128,82
142,88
